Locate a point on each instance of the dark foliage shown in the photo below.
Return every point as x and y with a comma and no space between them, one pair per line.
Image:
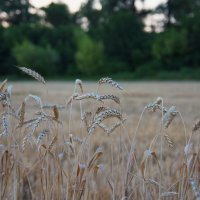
94,42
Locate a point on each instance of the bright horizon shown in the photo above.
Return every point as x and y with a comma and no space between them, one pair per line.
74,5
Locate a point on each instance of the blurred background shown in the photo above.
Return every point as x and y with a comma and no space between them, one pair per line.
125,39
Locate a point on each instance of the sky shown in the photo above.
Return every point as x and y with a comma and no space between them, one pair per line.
74,5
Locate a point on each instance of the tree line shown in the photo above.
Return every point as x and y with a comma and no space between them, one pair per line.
104,41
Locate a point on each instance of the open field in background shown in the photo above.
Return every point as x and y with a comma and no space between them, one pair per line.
70,179
185,95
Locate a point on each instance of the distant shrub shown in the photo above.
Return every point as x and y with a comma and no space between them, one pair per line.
169,48
89,57
43,59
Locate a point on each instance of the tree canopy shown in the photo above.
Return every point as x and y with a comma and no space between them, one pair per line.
108,39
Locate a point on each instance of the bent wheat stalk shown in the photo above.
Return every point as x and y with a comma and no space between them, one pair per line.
91,95
33,74
110,82
102,116
169,116
3,85
109,96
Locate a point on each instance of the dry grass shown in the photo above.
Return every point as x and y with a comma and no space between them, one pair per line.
92,141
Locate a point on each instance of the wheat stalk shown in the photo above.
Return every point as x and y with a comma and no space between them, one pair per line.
13,114
9,90
196,126
104,115
3,85
191,163
33,74
110,82
97,154
102,126
169,141
188,149
52,142
42,135
21,114
80,84
71,98
88,96
109,96
36,122
5,124
55,113
156,105
86,118
101,109
169,194
3,96
169,116
62,174
36,98
195,188
24,141
77,139
29,121
112,129
50,106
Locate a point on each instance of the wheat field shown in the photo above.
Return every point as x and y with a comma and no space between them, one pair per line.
99,140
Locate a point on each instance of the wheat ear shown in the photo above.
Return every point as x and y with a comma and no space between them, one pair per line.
169,141
80,84
196,126
109,96
110,82
3,85
101,109
33,74
5,124
55,113
104,115
21,114
169,116
91,95
195,188
42,135
3,96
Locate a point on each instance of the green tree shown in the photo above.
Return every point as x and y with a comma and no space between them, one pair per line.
125,41
41,59
61,35
170,47
16,12
176,11
6,59
96,17
192,26
58,14
178,46
89,56
64,41
93,15
115,5
118,25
